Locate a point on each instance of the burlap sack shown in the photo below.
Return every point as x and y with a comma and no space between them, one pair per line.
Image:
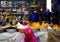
53,37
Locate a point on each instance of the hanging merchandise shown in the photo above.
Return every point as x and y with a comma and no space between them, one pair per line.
33,4
23,10
8,3
26,11
6,11
19,11
3,3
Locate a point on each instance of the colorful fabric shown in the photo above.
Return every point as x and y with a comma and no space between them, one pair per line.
29,35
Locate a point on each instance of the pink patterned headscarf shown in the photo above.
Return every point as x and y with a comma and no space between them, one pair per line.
29,35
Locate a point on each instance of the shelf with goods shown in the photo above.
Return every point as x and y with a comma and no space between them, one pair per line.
14,8
0,12
19,6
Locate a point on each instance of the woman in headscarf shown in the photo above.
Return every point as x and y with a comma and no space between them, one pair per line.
34,16
29,35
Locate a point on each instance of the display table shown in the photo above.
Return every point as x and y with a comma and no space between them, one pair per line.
17,36
11,37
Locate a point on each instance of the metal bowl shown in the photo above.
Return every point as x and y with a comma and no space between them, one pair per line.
11,29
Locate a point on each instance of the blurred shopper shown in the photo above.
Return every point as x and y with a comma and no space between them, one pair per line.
34,17
54,17
29,35
47,12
